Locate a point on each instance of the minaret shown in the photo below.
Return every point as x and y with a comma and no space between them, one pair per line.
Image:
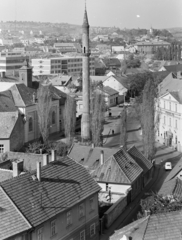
85,124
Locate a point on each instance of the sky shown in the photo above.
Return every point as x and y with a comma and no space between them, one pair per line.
105,13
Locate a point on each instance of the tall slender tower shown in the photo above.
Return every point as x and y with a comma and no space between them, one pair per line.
85,124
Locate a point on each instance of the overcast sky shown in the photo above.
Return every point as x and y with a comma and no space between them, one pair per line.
106,13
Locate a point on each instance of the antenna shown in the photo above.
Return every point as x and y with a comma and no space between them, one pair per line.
85,5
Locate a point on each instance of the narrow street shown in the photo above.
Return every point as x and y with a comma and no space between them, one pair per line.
134,138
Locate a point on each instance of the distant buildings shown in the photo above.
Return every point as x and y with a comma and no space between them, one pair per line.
56,65
149,46
68,47
11,61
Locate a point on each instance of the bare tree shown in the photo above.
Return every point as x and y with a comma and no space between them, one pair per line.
123,127
44,97
70,117
97,117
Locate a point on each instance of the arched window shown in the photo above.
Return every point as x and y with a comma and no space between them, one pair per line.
30,124
84,50
53,117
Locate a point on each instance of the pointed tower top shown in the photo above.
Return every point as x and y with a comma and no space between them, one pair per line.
85,18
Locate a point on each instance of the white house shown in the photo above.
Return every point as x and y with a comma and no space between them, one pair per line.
170,112
119,84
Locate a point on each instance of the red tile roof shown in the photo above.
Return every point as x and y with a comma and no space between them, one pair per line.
63,184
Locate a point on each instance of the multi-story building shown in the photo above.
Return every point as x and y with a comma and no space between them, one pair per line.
56,65
11,61
149,47
57,201
170,112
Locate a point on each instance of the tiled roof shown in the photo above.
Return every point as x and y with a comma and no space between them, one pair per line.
7,123
141,160
12,221
5,174
131,229
60,80
63,184
119,168
6,102
170,84
110,91
174,68
111,62
172,187
88,156
165,226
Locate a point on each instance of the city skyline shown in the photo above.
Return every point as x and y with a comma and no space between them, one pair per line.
104,13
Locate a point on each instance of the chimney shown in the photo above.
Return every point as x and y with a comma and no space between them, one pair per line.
39,171
45,159
53,155
17,167
101,157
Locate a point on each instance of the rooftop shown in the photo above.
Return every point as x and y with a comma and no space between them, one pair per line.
63,184
7,123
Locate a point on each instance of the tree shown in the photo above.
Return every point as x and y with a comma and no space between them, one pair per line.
148,119
44,97
70,117
146,87
97,117
156,204
123,128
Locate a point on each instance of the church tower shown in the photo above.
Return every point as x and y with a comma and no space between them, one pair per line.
25,74
85,124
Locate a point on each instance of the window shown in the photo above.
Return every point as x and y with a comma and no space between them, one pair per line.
40,234
92,230
53,117
164,104
164,120
91,204
82,235
30,124
176,107
170,122
170,106
68,218
176,123
81,210
1,148
53,227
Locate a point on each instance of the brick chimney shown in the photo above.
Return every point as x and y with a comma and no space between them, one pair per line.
53,155
17,167
45,159
39,171
101,157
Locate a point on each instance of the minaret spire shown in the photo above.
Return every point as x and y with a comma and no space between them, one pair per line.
85,124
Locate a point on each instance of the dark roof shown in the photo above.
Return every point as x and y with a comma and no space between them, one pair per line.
172,187
6,102
111,62
63,184
12,221
174,68
164,226
141,160
119,168
7,123
110,91
23,95
88,156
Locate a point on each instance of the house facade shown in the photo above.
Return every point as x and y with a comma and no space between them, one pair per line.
170,115
55,206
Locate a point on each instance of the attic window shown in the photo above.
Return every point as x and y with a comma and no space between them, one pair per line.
126,166
82,159
131,163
